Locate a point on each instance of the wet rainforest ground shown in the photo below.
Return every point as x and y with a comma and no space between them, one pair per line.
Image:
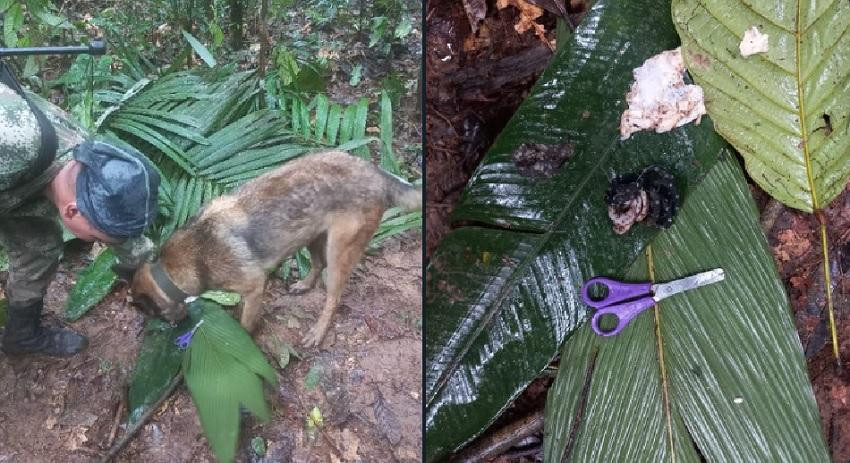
365,377
476,82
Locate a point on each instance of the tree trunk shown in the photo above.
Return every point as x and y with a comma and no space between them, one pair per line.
263,32
236,16
187,26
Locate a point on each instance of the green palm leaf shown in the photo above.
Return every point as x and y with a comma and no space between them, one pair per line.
716,372
774,107
502,298
157,363
93,284
224,371
787,110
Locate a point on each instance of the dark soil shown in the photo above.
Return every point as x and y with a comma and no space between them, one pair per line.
475,81
795,241
368,389
463,118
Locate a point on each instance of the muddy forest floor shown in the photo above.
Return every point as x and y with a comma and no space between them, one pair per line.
365,377
368,370
465,114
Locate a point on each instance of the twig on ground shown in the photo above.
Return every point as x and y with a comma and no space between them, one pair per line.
117,422
88,451
771,212
131,432
503,439
322,431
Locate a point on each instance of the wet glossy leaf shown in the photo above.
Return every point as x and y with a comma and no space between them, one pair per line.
788,110
501,298
157,363
94,282
733,384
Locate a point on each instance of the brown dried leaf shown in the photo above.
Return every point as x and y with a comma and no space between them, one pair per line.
528,13
556,7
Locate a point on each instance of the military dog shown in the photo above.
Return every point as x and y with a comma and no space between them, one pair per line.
330,202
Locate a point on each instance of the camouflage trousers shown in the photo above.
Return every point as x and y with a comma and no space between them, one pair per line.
32,237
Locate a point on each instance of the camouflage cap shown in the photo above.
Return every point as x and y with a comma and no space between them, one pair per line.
117,188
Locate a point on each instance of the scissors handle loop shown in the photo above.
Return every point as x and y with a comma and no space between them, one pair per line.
617,291
624,312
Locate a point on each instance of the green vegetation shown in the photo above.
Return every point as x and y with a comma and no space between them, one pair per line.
216,93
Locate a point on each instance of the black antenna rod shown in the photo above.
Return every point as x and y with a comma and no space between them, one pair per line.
95,47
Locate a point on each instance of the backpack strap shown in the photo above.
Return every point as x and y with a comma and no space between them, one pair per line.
49,141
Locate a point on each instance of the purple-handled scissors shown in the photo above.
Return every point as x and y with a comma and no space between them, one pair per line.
626,300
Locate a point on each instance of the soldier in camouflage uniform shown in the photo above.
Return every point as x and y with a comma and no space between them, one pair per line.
101,191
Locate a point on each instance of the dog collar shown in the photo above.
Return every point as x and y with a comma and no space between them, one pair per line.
160,276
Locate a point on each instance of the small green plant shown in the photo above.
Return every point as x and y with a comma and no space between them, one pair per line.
258,445
314,422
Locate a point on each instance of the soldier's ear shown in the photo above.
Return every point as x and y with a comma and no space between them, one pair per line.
69,211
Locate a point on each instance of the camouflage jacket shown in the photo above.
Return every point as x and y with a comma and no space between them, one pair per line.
22,193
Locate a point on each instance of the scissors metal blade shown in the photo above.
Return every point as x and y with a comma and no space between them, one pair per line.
663,290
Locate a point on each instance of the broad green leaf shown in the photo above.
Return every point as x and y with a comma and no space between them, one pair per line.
13,19
222,297
786,111
501,298
221,367
733,384
200,49
217,33
3,304
4,260
158,362
51,19
93,283
229,336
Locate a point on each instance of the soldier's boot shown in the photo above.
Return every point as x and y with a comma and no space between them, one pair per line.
25,335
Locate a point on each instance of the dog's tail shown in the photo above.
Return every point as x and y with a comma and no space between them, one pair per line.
401,193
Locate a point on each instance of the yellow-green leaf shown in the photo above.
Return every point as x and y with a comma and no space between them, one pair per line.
787,110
